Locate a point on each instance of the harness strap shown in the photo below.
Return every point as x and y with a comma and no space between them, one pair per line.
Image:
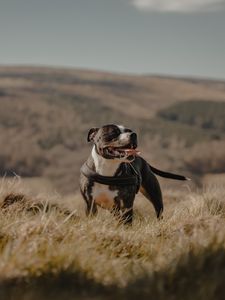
110,180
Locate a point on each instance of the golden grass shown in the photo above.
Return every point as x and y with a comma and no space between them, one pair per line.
53,250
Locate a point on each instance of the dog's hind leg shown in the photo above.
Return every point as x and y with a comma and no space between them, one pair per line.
150,188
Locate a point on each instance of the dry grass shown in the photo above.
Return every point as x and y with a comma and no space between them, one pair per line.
55,252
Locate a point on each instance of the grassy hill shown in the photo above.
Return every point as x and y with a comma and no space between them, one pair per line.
49,250
202,114
46,113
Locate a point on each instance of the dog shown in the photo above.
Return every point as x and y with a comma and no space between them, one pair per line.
115,172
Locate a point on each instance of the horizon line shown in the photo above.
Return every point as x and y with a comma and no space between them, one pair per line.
65,67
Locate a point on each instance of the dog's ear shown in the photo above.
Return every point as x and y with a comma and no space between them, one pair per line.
91,134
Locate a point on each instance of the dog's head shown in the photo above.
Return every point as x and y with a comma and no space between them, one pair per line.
114,142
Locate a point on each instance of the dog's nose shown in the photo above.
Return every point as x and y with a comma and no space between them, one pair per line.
133,138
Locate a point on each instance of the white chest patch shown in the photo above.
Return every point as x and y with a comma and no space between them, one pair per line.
102,196
101,193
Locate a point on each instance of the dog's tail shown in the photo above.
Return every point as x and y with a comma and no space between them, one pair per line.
167,174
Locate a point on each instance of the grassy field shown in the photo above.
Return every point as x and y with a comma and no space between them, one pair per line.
50,250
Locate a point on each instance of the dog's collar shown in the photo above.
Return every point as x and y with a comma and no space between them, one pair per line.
111,180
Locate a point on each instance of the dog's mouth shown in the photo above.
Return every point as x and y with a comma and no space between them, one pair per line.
121,152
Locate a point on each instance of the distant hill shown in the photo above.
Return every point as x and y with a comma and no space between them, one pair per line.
46,112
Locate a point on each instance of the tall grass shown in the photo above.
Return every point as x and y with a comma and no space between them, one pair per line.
49,249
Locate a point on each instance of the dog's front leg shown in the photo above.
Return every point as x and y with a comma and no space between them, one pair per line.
127,210
127,215
91,207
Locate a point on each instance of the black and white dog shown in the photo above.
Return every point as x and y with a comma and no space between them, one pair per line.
114,173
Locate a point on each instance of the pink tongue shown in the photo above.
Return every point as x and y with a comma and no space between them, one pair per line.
132,151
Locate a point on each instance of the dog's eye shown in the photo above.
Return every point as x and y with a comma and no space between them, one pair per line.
112,135
127,130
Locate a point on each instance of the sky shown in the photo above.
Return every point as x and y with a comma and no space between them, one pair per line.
160,37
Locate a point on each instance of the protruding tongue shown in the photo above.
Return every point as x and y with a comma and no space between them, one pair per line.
132,151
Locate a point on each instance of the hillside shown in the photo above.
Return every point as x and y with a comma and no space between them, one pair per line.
46,113
49,250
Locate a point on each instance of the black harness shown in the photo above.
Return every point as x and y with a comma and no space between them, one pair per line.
134,180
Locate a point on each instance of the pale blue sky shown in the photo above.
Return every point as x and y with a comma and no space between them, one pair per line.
116,35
